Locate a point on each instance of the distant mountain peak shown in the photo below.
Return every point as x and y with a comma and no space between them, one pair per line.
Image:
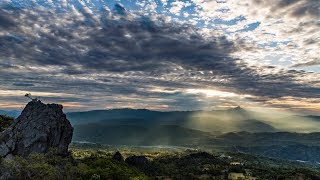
240,112
238,109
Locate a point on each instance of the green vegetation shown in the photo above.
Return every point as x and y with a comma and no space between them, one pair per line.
200,165
5,122
81,165
284,145
98,163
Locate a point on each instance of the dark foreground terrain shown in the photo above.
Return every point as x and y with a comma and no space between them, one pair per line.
100,162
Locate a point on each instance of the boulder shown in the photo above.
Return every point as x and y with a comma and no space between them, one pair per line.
40,127
118,157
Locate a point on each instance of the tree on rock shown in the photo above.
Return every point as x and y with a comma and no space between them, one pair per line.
28,95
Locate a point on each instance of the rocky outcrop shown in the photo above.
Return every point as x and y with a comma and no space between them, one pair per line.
118,157
40,127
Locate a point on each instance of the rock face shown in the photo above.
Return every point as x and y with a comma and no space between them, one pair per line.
38,128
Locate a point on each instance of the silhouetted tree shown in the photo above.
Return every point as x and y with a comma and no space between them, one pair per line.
28,95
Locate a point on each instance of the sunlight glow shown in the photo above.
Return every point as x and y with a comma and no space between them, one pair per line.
7,93
211,92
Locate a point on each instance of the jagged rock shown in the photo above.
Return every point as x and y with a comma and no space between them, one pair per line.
117,156
38,128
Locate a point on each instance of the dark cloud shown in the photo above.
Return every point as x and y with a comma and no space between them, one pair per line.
309,8
22,84
294,8
129,54
5,21
309,63
284,3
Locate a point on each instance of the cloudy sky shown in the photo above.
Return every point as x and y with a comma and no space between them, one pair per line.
161,54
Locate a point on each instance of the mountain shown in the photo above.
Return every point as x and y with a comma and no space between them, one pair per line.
314,118
235,129
13,113
177,135
231,120
235,119
268,138
284,145
295,152
138,135
113,115
239,111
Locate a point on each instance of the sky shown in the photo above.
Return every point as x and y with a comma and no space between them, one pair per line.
161,54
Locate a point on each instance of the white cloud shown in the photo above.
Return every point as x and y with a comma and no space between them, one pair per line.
211,92
278,25
176,7
164,2
14,93
64,3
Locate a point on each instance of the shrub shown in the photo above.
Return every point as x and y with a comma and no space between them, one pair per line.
5,122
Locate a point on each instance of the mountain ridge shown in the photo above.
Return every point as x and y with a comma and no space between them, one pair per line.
228,120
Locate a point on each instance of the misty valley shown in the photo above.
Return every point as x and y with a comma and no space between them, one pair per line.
235,129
